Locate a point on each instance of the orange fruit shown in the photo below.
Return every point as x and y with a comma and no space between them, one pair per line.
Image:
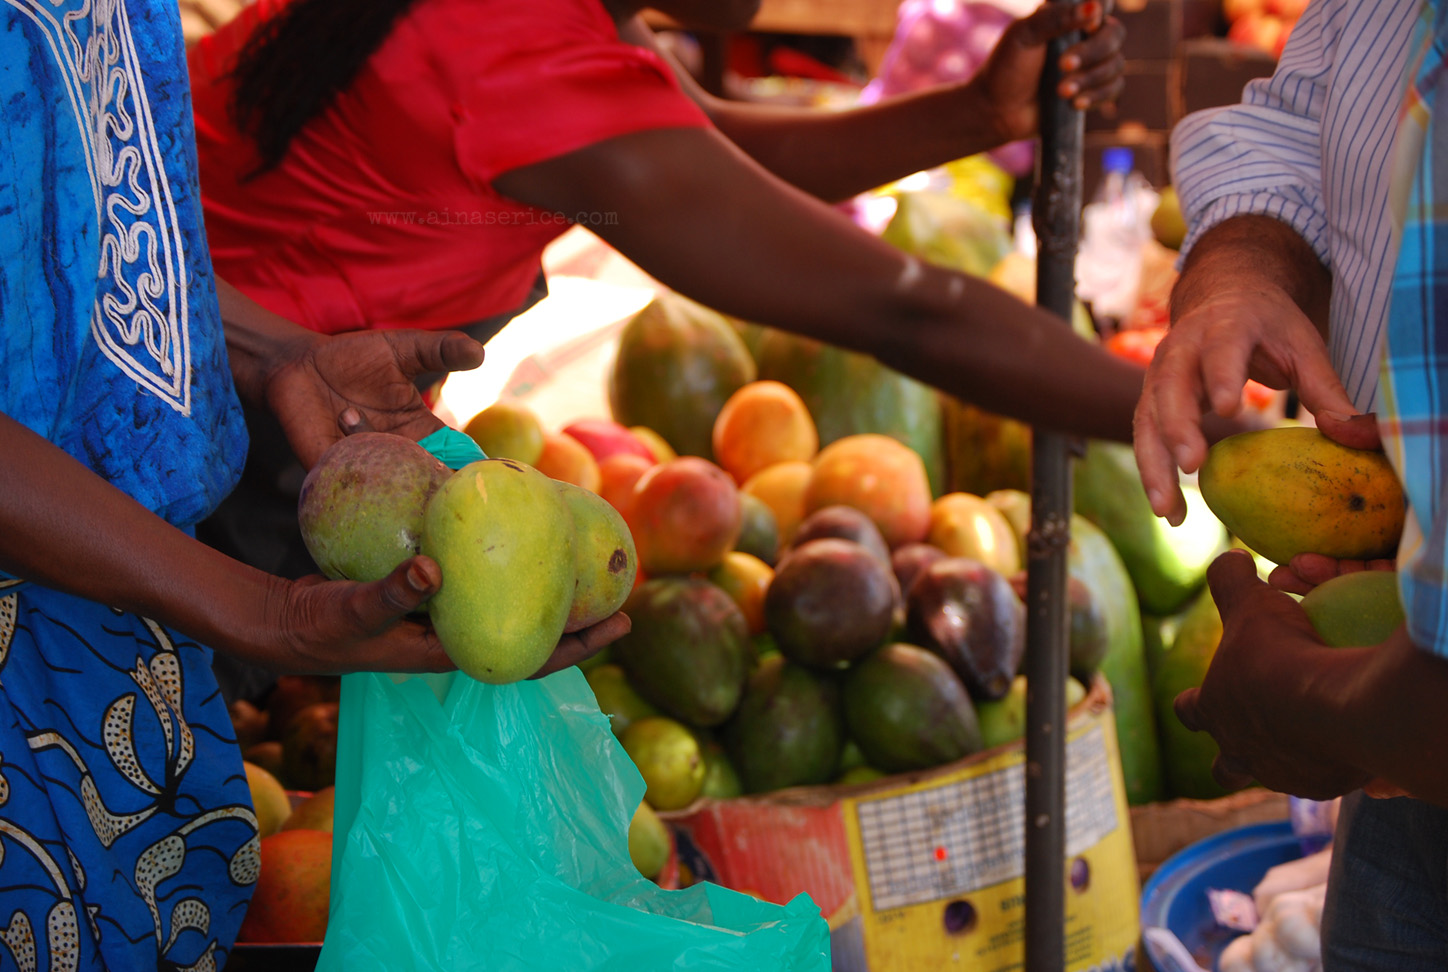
763,423
781,487
565,458
745,578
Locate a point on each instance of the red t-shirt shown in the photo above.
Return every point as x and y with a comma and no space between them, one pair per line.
382,214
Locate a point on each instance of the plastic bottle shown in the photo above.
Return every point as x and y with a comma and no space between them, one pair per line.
1115,226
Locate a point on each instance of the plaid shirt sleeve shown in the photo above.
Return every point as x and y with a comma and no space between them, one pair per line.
1414,364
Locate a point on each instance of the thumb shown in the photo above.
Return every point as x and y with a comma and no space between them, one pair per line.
1351,430
1231,575
400,593
420,352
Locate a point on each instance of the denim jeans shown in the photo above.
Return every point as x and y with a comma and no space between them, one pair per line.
1387,901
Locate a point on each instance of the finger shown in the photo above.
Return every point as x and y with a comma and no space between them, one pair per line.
1284,578
1186,706
1231,576
1176,379
1224,375
353,421
1157,468
584,644
1316,568
1100,46
1101,97
1381,789
420,352
1094,85
400,593
1349,429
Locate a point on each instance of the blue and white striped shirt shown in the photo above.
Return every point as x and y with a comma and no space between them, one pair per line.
1313,147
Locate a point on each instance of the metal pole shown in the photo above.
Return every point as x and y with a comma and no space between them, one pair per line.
1057,217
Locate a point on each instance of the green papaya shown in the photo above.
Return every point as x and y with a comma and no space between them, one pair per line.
1187,756
848,393
1091,559
677,364
1167,564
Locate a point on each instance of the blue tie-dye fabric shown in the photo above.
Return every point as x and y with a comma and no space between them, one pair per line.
127,838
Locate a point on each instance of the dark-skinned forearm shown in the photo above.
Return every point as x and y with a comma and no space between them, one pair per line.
64,527
1254,251
255,338
1387,704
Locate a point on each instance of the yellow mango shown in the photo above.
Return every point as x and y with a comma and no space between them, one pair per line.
1287,491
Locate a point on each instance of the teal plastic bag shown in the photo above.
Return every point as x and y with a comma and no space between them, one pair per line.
485,827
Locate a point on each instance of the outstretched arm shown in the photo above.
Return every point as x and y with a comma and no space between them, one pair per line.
837,154
1314,721
704,219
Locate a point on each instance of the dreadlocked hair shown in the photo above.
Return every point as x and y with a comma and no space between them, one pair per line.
294,65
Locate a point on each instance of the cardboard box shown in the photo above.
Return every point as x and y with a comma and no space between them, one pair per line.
1159,830
924,870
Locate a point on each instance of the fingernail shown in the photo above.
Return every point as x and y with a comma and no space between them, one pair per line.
1336,416
351,417
1183,456
1091,10
1070,63
417,578
1154,498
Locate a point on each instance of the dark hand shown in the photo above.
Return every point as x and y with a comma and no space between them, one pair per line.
325,627
585,643
1091,70
369,371
1252,700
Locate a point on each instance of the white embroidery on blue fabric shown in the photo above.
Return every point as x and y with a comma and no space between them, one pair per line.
140,322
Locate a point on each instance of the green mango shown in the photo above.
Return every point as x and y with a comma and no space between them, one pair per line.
504,538
1355,610
1187,756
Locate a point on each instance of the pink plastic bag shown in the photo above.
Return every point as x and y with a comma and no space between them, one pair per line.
942,41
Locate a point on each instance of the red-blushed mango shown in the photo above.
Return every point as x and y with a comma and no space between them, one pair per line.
293,890
507,429
565,458
616,478
879,476
781,487
763,423
361,506
605,437
504,538
685,516
1287,491
605,559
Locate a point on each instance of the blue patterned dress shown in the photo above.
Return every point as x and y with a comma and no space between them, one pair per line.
127,838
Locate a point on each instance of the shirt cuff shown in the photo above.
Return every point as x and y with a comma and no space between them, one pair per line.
1304,218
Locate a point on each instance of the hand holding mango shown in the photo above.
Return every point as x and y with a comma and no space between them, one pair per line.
525,558
1287,491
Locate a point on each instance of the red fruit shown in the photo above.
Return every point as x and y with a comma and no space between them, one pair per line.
685,516
605,437
293,890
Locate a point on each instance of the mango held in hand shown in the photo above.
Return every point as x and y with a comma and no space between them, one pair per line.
1355,610
605,558
361,506
504,538
1293,490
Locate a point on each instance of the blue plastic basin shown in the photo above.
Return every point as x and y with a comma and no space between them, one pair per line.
1175,896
